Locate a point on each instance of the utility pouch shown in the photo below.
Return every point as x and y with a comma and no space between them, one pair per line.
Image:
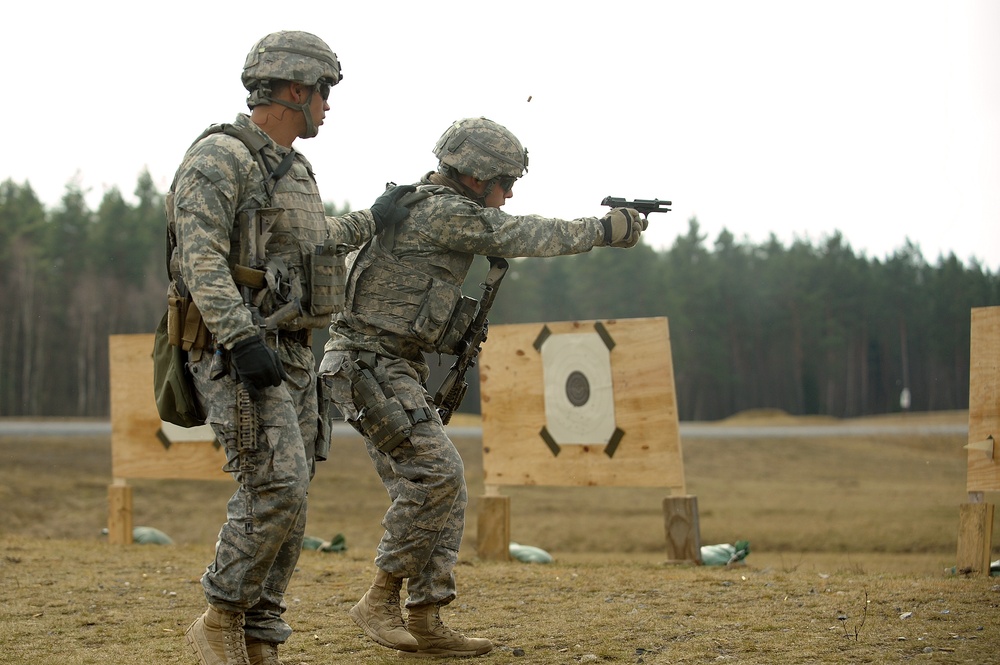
440,317
194,336
381,415
458,325
185,328
173,386
327,270
175,319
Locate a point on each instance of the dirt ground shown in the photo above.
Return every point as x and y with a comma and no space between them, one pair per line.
852,541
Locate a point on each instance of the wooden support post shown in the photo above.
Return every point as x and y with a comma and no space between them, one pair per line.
975,525
119,513
975,535
493,528
680,522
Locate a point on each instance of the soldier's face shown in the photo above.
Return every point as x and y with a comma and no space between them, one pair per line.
502,190
318,106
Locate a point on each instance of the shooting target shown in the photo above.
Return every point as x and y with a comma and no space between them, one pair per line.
580,403
578,388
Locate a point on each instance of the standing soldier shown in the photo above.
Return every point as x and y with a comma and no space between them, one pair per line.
403,300
255,265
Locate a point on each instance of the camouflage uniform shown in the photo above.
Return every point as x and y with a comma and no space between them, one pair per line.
259,545
424,476
220,182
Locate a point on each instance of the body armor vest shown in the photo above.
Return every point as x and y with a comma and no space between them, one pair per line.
413,298
297,270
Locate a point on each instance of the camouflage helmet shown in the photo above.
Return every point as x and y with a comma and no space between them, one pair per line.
287,55
482,149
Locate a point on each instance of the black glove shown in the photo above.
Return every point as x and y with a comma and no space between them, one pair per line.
622,227
386,209
257,365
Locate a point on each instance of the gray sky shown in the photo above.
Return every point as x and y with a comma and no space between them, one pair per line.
877,118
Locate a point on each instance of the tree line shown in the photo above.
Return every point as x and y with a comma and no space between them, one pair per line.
809,329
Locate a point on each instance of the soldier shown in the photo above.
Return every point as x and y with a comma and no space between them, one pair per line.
404,300
255,265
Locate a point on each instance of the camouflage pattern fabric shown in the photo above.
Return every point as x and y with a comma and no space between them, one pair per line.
440,238
482,148
290,55
260,542
425,479
259,545
424,476
217,181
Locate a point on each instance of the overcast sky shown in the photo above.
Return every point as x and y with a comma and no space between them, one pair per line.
879,119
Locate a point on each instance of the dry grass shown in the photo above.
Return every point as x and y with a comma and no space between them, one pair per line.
847,536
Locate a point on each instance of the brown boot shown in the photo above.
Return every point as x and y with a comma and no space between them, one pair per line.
436,640
262,653
216,637
379,615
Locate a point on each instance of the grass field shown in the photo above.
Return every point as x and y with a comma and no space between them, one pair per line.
851,539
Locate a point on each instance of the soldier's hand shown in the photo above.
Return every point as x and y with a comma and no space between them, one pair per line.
257,365
622,227
386,209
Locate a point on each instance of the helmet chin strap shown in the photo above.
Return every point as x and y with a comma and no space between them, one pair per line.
450,177
490,184
311,128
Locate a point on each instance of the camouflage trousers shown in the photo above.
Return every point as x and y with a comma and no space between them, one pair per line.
260,543
425,479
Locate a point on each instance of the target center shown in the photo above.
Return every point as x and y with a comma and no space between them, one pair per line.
577,388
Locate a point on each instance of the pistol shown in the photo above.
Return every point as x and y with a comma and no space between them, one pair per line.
645,206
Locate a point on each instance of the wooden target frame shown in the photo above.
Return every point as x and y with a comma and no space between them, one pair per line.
983,472
143,446
519,444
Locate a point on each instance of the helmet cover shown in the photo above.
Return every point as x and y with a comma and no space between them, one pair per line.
482,149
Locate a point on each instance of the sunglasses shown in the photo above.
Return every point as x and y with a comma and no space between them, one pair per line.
506,183
323,88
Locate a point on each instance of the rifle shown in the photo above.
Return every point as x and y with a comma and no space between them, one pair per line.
254,232
645,206
452,391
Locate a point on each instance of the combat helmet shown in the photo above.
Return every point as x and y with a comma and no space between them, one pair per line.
289,55
482,149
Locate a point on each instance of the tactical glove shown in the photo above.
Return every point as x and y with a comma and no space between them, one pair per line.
257,365
622,227
386,209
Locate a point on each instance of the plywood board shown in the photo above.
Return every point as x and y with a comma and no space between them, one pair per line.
646,451
984,401
142,446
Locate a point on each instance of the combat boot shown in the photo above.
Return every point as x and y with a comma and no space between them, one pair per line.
379,615
216,637
262,653
436,640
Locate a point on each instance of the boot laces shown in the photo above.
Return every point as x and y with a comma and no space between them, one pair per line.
438,626
391,602
235,645
269,652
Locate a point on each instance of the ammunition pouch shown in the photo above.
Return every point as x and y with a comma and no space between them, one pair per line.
327,270
405,301
316,276
185,326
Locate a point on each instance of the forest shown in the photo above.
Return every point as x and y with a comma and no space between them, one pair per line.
808,329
